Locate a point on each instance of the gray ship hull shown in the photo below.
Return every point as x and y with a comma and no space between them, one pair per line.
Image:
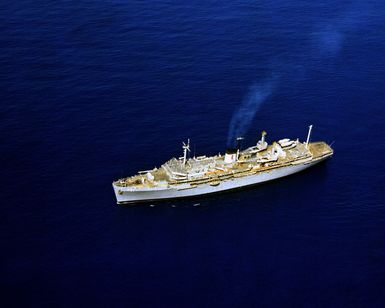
130,195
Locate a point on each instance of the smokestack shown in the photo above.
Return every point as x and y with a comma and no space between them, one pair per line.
231,156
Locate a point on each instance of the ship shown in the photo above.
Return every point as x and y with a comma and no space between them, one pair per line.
202,175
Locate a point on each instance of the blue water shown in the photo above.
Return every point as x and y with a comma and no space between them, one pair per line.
94,90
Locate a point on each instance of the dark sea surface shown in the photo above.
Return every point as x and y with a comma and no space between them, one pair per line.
95,90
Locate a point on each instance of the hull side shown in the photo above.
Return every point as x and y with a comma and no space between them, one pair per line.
127,196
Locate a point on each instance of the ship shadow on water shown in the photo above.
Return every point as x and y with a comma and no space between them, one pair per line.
309,180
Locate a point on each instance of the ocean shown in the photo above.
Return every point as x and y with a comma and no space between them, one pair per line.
95,90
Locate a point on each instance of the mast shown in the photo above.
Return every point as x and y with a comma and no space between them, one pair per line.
186,147
263,137
308,136
239,144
